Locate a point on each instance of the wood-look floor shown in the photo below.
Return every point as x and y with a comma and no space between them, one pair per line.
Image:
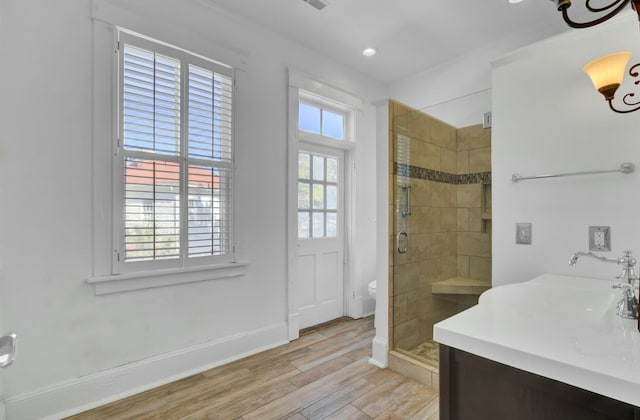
324,374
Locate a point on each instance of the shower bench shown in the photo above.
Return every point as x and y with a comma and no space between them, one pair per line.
461,286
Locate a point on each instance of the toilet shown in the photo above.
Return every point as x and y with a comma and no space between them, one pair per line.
372,290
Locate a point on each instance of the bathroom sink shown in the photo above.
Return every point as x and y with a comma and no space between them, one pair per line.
558,298
560,327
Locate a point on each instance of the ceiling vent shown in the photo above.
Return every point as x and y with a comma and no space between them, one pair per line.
318,4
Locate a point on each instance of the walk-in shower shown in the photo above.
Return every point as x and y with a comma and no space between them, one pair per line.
440,227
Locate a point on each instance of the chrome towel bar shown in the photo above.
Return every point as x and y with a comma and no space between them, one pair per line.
625,168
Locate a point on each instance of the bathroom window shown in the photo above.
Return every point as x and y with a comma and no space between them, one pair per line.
174,161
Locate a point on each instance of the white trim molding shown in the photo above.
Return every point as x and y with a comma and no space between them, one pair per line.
175,26
306,82
318,92
381,321
294,326
117,283
105,232
82,394
379,352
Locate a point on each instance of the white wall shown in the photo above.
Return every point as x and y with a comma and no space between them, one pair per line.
547,118
463,83
65,331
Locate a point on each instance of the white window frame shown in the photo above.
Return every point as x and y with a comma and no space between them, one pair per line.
185,58
108,274
347,113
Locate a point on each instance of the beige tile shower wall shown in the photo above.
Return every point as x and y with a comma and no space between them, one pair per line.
474,233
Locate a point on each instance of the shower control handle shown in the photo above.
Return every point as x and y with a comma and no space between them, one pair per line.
402,242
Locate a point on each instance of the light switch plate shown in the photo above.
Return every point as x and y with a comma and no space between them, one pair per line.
487,120
599,238
523,233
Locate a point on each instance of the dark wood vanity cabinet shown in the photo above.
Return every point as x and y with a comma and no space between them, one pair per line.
475,388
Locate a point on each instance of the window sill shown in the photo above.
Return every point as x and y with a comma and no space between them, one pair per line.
118,283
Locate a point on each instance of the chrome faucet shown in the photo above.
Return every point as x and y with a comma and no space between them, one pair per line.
628,306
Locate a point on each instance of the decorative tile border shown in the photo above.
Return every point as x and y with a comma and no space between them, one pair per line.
402,169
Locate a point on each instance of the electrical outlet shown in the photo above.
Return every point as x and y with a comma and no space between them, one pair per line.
599,238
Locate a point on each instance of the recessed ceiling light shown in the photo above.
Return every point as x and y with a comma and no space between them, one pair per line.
369,52
514,1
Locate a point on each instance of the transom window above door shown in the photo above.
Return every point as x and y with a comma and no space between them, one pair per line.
319,120
317,196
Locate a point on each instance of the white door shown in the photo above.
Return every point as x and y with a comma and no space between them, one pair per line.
320,246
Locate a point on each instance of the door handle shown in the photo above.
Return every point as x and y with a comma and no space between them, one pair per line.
402,242
407,204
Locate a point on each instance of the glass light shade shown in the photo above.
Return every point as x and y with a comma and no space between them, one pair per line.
369,52
609,70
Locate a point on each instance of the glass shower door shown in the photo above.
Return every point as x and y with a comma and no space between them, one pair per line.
424,219
438,236
412,319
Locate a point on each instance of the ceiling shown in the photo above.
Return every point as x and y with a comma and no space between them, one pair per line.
410,35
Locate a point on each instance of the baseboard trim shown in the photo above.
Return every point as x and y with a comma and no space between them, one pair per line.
375,363
380,350
81,394
293,322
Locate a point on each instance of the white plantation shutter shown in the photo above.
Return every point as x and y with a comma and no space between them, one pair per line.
151,210
210,146
209,218
209,115
151,91
176,157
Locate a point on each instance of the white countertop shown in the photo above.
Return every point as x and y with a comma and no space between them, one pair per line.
564,328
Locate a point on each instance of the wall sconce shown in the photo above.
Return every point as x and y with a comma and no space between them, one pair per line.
610,10
607,74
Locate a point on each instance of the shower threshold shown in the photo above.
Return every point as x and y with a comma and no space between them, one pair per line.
415,367
427,352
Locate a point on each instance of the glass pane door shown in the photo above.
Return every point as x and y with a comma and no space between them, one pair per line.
317,196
